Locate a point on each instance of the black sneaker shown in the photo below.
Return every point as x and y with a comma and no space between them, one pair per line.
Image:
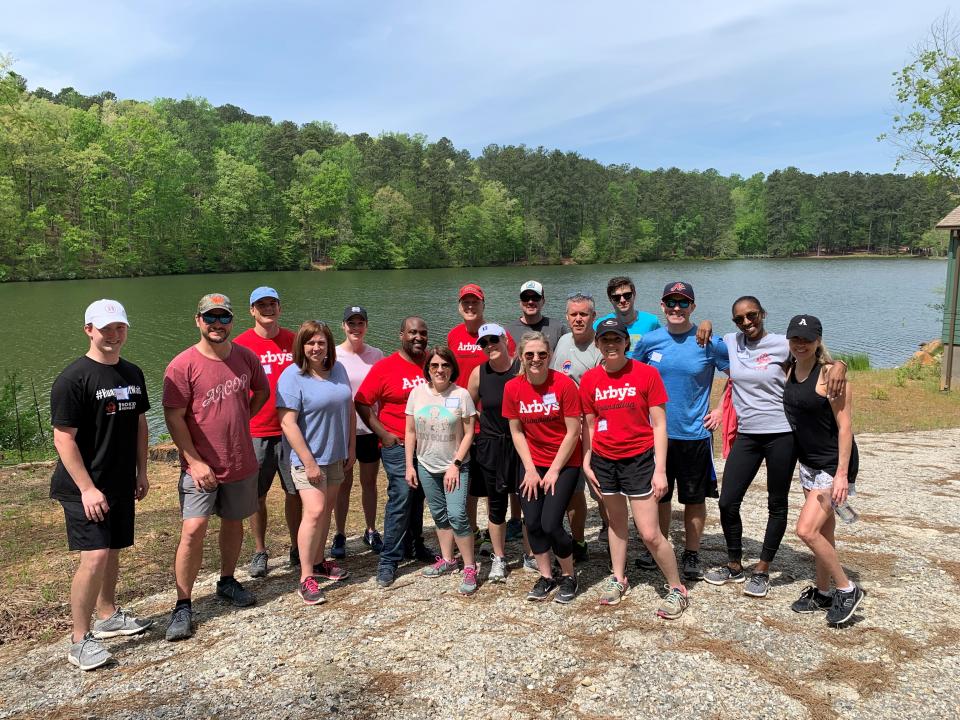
844,605
541,591
581,553
811,600
690,565
423,553
235,593
566,589
645,561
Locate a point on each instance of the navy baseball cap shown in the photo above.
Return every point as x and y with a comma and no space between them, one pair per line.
678,288
614,325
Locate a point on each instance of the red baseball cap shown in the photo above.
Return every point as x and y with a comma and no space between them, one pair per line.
471,289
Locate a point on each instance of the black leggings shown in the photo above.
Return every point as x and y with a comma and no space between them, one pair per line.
544,515
748,451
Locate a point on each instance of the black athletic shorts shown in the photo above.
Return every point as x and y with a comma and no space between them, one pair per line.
114,533
690,468
498,461
631,477
368,448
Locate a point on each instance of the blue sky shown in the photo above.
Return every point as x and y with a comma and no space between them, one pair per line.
737,86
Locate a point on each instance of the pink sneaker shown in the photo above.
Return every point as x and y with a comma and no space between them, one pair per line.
330,570
469,584
441,567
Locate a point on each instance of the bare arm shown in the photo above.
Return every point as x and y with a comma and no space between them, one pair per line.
95,504
370,419
201,473
451,478
843,412
589,427
291,431
658,420
409,447
143,484
352,446
473,386
531,478
257,400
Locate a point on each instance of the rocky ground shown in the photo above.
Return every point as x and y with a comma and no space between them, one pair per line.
418,650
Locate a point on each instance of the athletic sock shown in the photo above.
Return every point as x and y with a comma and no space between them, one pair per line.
848,589
186,603
224,578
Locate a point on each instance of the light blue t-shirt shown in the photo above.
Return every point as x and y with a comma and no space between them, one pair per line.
323,411
687,371
644,323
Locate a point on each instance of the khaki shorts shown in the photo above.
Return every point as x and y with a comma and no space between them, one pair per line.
332,475
231,501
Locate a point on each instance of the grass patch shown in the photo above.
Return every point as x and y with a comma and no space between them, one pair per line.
855,361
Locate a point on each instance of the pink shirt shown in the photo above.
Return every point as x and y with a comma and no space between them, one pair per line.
357,366
216,395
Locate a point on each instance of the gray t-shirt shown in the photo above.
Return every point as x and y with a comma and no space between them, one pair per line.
574,360
758,380
439,422
553,330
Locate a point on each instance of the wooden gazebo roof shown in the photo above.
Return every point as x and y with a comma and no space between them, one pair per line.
951,221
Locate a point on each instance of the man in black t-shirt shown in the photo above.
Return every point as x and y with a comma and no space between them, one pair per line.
532,300
97,406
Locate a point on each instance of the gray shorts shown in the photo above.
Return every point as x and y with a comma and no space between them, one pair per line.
332,475
231,501
273,458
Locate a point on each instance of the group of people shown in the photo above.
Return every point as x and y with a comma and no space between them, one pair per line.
528,415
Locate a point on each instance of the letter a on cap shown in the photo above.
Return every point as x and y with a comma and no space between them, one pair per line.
803,321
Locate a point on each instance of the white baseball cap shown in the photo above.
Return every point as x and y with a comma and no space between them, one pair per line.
103,312
532,286
491,329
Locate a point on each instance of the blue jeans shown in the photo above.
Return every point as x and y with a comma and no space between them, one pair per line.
448,507
403,515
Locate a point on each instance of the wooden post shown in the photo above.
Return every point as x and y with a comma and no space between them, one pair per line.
951,309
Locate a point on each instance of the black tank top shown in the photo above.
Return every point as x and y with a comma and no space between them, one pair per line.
814,425
492,383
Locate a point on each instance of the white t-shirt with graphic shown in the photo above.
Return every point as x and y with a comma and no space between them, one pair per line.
439,421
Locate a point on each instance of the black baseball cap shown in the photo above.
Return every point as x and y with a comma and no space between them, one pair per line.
678,288
350,310
614,325
806,327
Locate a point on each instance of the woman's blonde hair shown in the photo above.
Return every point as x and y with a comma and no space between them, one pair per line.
527,338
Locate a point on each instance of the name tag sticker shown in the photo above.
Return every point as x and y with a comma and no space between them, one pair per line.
452,402
267,369
601,425
550,399
656,356
122,393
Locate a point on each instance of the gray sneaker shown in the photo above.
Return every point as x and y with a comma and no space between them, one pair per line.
844,605
88,654
758,585
440,567
530,563
498,570
645,561
258,564
119,624
181,624
235,593
470,584
690,565
723,575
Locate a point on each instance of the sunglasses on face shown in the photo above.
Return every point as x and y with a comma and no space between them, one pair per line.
211,318
487,340
532,297
752,316
439,366
540,355
617,297
672,303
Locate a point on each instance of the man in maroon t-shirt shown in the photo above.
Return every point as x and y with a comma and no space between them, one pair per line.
387,385
210,391
274,346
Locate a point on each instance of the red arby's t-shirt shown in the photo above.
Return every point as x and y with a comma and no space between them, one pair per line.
463,343
621,402
389,383
275,354
216,395
541,410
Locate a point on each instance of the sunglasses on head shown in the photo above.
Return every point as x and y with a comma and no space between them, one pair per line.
752,316
211,318
540,355
673,302
487,340
617,297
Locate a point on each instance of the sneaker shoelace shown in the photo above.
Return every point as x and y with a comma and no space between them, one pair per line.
470,574
310,585
440,563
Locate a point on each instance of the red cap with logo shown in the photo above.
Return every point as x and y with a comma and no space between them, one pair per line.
471,289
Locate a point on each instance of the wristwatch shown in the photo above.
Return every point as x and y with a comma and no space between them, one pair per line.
457,462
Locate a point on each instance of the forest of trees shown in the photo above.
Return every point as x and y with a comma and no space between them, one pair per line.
95,186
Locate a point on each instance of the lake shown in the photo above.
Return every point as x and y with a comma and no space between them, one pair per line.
881,307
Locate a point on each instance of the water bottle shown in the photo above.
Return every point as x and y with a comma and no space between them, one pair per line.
846,512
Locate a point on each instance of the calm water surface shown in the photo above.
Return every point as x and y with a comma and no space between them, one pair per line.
875,306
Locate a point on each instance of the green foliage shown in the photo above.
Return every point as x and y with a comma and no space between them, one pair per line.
93,186
855,361
19,430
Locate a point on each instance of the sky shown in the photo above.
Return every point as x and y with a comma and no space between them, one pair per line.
741,87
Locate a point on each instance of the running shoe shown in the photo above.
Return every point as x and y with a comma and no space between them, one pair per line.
231,590
542,589
338,551
690,565
440,567
645,561
181,624
372,539
844,605
566,589
386,575
811,600
723,575
88,654
469,584
530,563
119,624
514,529
614,591
258,564
482,543
581,553
310,592
758,585
330,570
423,553
673,605
498,570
